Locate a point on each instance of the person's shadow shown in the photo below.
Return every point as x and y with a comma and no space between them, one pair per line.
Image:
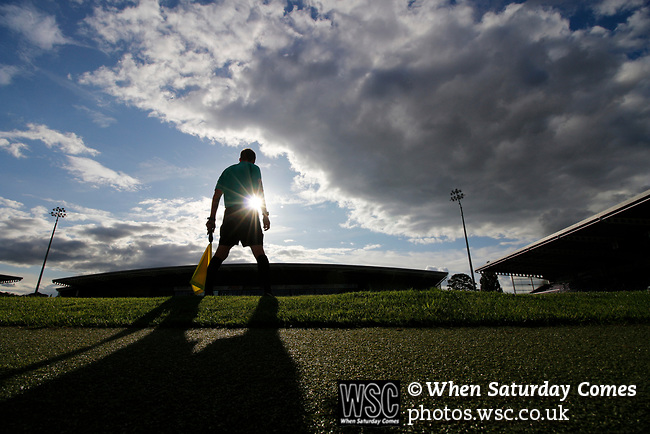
224,381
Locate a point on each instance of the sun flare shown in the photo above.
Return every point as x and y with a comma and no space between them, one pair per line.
254,202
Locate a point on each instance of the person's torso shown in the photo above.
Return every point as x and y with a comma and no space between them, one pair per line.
238,183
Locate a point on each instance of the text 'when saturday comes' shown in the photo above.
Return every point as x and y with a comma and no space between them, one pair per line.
449,388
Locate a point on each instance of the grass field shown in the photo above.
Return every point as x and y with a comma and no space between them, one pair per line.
361,309
183,365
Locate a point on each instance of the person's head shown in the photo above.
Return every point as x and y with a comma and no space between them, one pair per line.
247,155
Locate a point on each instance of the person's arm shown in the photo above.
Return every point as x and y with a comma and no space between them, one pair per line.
266,223
216,197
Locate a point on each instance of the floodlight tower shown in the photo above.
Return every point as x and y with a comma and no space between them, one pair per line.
457,195
56,212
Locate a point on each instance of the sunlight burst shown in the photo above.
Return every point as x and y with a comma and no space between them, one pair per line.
254,202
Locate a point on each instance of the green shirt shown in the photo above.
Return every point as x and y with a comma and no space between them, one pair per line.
239,182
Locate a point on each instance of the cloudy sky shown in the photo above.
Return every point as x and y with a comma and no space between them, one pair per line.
364,114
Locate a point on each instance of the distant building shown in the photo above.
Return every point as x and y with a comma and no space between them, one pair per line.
4,279
9,279
608,251
241,279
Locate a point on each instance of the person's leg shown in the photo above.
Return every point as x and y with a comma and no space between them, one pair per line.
220,255
263,268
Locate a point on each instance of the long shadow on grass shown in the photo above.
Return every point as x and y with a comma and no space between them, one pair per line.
176,312
174,380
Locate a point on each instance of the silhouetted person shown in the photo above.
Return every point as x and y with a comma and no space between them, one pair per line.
241,187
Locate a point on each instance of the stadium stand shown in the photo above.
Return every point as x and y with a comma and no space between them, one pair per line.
241,279
608,251
9,279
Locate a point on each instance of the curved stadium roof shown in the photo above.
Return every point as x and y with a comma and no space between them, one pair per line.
610,250
4,278
287,279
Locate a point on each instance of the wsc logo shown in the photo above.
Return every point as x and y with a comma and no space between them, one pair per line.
369,402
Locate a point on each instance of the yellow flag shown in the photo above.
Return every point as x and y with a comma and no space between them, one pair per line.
201,272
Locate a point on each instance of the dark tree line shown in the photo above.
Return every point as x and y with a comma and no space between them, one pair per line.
462,282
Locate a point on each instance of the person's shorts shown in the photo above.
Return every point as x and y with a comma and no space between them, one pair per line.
241,224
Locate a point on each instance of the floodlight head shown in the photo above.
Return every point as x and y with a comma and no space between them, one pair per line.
58,212
456,195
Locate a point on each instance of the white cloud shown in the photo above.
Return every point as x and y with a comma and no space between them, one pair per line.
14,148
68,143
10,203
84,169
33,25
384,108
7,73
92,172
156,233
611,7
